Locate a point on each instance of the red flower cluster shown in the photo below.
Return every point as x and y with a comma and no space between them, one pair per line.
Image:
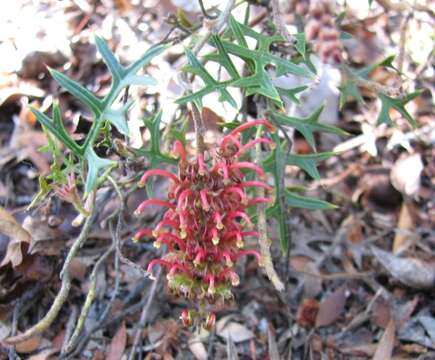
206,222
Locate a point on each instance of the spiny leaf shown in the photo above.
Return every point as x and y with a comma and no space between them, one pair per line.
211,85
57,129
349,90
397,104
78,91
109,58
306,126
304,202
142,80
223,57
309,162
95,165
145,59
291,93
118,118
300,44
275,164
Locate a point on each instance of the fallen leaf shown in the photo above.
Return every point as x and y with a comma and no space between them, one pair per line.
236,331
118,343
231,350
307,312
47,354
405,225
197,348
18,236
385,348
412,272
405,174
29,345
273,346
381,313
330,307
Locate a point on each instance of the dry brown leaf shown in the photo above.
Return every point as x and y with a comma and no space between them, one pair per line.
118,343
386,344
29,345
273,346
412,272
405,225
307,312
331,307
236,331
45,355
405,174
197,348
17,234
123,6
381,313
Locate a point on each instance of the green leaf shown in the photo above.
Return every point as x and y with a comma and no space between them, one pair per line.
57,129
309,162
304,202
118,118
142,80
399,105
349,90
275,164
291,93
300,44
223,58
365,71
211,85
78,91
95,165
153,151
306,126
145,59
114,66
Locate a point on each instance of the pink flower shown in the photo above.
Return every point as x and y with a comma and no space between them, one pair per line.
202,228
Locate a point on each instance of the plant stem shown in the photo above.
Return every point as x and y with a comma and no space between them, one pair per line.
62,295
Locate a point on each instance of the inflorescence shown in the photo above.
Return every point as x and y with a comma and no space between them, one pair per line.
206,222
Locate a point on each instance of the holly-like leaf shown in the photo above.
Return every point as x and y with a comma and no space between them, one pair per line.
308,162
258,61
298,201
101,108
275,164
95,165
307,126
349,90
291,93
153,151
118,118
74,88
56,127
211,85
398,104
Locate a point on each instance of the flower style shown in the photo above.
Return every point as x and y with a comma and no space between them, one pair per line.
206,220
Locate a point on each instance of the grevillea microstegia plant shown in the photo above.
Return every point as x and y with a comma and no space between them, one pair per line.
206,221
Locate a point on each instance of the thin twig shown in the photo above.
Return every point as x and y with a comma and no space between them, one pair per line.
69,328
122,258
263,240
144,315
199,129
92,292
402,42
205,12
215,26
402,6
62,295
279,22
372,85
